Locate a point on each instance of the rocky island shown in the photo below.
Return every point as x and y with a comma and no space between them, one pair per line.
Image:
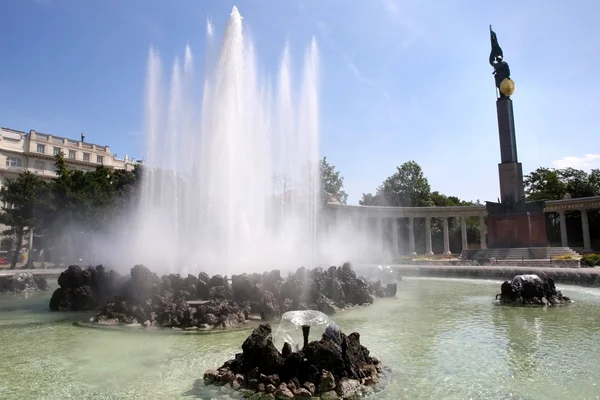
203,302
531,290
22,282
335,366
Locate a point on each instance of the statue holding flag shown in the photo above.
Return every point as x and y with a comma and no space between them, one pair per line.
505,85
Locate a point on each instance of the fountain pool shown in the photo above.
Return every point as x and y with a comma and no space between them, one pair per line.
443,338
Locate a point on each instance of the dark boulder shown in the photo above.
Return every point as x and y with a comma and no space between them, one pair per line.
532,290
84,290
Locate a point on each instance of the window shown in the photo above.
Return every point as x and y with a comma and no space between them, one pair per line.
100,159
72,154
41,148
39,165
86,157
12,162
56,151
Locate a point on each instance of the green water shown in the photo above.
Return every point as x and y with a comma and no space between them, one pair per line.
444,339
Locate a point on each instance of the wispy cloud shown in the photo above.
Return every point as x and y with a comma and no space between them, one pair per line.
390,6
585,163
404,16
326,33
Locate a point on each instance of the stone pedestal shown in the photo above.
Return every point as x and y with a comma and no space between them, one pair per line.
520,224
516,230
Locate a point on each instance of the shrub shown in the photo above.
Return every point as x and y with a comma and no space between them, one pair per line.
566,257
590,260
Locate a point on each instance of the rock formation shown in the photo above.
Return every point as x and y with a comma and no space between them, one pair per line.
22,282
334,366
531,289
84,289
204,302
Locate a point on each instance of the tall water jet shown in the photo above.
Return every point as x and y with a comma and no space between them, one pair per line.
210,196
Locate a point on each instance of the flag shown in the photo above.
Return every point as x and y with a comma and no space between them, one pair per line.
496,49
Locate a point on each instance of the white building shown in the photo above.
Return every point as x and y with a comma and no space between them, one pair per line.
35,151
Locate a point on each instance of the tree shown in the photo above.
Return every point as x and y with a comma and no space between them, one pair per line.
408,187
544,184
332,183
22,201
85,202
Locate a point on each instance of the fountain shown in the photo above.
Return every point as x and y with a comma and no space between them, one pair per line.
334,366
237,186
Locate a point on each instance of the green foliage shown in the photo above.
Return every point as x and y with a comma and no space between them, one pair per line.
22,203
591,260
332,183
553,184
407,187
68,207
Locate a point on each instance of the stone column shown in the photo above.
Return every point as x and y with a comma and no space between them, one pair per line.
395,250
428,247
483,232
379,233
564,240
585,226
411,236
463,233
446,237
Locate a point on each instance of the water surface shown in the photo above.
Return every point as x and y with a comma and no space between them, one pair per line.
444,339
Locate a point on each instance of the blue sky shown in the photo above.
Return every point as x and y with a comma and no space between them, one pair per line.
401,79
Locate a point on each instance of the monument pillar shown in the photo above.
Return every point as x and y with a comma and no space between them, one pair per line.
411,236
428,247
513,222
446,237
510,170
564,240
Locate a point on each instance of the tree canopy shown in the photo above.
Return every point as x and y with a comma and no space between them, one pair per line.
554,184
332,183
62,211
22,202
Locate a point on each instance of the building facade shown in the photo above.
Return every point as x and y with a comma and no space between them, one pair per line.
34,151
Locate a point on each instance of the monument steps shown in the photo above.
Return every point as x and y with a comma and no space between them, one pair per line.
520,253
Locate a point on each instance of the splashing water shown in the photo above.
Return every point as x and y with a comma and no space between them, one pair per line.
233,184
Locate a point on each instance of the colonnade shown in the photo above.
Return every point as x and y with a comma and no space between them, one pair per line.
360,216
377,220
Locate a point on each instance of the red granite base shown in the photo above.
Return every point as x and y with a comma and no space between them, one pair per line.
516,230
